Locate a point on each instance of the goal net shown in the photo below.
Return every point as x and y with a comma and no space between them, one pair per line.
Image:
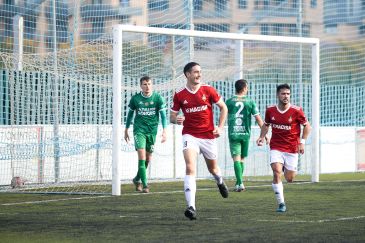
67,113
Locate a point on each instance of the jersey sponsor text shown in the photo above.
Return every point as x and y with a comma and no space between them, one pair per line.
196,109
282,127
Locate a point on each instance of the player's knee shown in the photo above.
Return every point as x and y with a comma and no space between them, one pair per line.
289,179
213,170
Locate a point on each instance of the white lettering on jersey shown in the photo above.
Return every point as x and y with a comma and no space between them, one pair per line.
196,109
282,127
147,111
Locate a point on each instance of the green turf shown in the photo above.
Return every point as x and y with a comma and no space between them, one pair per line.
330,211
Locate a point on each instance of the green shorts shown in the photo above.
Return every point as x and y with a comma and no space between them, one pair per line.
239,147
144,141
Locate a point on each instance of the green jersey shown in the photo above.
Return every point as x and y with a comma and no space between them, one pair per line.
146,112
240,110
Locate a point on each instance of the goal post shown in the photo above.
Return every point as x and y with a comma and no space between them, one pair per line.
209,40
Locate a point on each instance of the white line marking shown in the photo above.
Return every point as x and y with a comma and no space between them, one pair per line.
139,194
52,200
128,216
312,221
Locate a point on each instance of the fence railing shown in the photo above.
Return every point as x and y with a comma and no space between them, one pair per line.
26,98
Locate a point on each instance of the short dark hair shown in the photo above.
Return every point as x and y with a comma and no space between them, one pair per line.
282,86
240,85
189,66
144,78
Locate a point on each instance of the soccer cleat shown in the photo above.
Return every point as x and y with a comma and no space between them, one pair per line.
239,188
138,185
223,189
281,208
145,190
190,213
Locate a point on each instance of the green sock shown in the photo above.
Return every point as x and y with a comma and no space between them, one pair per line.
243,169
137,177
142,172
238,172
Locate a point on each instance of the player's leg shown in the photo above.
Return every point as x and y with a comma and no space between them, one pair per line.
291,166
190,152
140,145
208,148
235,149
276,162
137,179
244,154
150,141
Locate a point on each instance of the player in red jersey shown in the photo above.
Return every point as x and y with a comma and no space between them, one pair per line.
199,133
285,120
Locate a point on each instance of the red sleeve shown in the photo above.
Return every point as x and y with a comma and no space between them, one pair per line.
176,104
215,97
301,117
267,117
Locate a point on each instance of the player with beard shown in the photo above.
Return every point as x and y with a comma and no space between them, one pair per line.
285,120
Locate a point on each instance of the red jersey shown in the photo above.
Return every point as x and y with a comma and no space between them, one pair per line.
285,127
198,110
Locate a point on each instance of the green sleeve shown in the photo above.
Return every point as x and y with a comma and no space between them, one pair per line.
129,118
162,108
163,118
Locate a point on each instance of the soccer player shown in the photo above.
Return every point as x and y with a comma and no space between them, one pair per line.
285,120
199,133
148,106
240,109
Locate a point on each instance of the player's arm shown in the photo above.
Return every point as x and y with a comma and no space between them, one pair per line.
222,117
164,124
263,133
260,122
128,124
175,118
306,130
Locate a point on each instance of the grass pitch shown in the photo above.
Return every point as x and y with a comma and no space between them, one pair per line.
330,211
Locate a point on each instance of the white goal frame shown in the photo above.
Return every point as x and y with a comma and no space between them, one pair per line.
118,74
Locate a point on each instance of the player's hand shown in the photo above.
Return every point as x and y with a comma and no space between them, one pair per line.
301,148
180,120
260,141
267,139
217,131
163,136
126,135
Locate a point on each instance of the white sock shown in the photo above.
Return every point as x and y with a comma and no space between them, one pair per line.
218,177
190,190
279,192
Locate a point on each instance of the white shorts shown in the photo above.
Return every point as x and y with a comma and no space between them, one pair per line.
207,147
289,160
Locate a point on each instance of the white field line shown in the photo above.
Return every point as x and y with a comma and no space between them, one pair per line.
150,193
53,200
313,221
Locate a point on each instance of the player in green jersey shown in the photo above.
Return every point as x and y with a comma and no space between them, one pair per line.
147,107
240,109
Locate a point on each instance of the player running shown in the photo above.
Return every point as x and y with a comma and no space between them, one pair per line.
285,120
199,133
